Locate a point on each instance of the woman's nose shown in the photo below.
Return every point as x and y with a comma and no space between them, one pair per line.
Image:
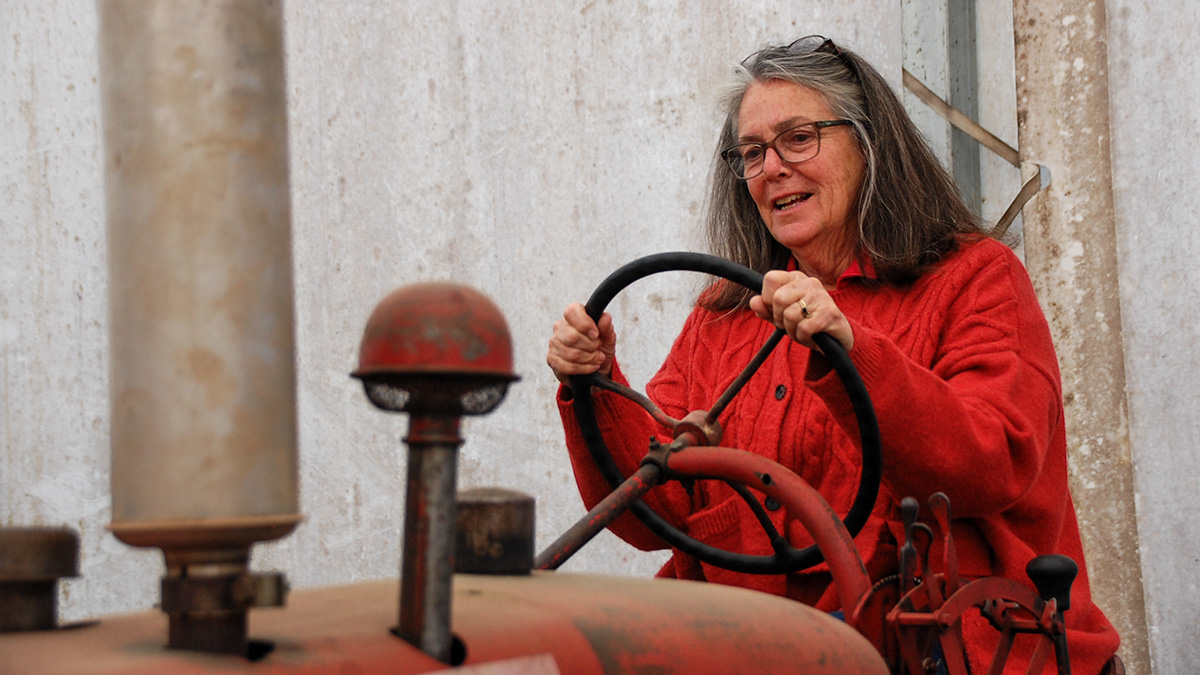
772,163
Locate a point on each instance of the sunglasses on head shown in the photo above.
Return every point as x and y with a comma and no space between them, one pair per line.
816,43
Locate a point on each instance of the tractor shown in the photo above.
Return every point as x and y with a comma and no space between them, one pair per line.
473,597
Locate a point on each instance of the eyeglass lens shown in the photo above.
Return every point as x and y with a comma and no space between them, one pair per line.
795,145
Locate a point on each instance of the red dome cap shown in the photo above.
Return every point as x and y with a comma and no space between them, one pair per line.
435,336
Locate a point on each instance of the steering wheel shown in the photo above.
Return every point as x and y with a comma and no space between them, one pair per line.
786,558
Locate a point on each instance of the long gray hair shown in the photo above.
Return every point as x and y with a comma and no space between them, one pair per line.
909,213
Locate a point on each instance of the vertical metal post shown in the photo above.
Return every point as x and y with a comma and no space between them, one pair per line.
963,75
427,568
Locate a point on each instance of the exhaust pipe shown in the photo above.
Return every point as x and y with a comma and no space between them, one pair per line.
200,281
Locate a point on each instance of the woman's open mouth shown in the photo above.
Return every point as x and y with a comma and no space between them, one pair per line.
791,201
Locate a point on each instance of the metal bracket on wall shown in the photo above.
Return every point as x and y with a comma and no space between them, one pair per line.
988,140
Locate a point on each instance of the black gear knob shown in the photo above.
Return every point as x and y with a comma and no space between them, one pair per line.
1053,575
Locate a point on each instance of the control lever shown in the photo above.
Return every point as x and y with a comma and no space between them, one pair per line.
1053,575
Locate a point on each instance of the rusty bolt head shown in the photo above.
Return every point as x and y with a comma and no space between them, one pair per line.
439,348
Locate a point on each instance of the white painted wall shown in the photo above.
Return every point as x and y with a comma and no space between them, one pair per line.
1153,58
527,150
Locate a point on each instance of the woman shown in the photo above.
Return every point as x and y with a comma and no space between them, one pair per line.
826,187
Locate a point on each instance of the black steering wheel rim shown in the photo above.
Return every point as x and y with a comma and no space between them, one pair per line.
784,560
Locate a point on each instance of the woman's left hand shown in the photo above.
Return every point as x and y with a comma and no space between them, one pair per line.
800,305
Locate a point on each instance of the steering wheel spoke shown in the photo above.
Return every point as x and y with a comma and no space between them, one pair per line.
609,384
734,387
778,541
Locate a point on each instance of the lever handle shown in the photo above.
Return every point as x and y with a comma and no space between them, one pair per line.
1053,575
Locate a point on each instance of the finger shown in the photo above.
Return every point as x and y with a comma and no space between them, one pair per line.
824,317
577,317
773,283
760,308
607,335
568,335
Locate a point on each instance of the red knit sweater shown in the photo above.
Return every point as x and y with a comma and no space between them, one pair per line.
965,383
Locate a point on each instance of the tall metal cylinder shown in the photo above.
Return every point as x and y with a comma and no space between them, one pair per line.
200,272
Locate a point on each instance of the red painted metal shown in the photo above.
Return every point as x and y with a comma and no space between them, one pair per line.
436,351
440,329
585,624
925,615
802,502
646,478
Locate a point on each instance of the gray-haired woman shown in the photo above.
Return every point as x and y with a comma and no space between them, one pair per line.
824,185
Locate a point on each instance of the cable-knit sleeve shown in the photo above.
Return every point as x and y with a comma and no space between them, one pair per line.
978,421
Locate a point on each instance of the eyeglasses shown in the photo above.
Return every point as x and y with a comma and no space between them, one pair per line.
813,43
817,43
797,144
820,43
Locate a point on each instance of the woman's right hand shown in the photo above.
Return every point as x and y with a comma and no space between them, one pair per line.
581,346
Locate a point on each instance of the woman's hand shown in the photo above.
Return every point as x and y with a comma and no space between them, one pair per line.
801,306
580,346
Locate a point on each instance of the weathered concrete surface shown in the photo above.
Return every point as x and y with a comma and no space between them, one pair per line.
1071,253
1155,103
54,418
527,152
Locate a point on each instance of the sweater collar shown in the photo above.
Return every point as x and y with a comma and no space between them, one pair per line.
858,269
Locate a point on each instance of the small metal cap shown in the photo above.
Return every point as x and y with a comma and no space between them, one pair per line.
439,348
494,532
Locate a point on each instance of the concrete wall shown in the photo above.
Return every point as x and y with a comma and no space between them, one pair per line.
1152,61
1072,257
926,55
527,151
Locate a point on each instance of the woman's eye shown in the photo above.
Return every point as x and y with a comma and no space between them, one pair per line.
752,154
799,137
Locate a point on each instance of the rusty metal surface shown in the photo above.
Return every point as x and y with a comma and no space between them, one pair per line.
207,593
436,328
494,532
32,559
38,553
586,624
28,605
428,557
601,516
217,534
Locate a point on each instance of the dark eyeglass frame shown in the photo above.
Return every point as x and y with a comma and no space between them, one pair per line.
813,43
820,43
734,154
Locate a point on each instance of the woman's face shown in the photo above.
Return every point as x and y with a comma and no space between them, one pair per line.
808,207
